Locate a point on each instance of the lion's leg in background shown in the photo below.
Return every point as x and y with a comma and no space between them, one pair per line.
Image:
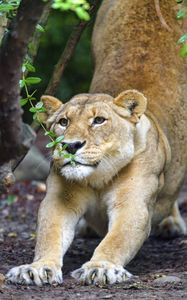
130,212
84,230
58,216
173,225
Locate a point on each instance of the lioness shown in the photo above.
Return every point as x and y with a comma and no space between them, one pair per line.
129,147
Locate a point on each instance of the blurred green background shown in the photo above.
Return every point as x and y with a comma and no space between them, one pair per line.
78,74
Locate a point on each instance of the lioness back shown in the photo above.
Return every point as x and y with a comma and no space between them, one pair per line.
133,50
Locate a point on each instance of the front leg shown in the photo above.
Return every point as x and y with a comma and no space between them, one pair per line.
130,213
58,215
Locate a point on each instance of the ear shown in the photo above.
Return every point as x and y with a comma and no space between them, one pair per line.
134,102
51,104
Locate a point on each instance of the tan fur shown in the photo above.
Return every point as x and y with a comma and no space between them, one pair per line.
135,160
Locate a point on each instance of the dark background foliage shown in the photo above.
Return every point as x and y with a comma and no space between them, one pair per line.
78,73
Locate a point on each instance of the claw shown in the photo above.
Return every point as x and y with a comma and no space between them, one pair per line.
104,273
35,274
94,274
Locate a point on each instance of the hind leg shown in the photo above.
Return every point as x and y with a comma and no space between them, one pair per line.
172,226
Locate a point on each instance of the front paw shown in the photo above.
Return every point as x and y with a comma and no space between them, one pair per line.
38,273
100,273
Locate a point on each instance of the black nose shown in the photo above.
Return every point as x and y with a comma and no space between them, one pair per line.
73,147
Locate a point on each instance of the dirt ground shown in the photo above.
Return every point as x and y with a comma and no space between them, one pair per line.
157,258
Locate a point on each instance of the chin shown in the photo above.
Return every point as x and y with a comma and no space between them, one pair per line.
76,173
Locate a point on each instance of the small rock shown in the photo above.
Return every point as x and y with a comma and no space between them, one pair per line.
32,236
12,234
107,296
183,242
166,279
25,235
29,197
1,235
41,187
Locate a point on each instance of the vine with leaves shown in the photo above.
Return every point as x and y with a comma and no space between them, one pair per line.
80,7
38,108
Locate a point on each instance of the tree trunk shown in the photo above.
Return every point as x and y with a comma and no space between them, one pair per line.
12,54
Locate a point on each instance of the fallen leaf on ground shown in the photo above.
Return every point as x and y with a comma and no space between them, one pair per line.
12,234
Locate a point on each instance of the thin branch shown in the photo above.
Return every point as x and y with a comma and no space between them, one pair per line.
68,52
12,53
160,16
65,58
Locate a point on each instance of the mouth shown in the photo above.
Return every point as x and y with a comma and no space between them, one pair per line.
76,163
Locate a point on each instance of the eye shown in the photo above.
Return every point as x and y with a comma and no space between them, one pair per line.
98,120
63,122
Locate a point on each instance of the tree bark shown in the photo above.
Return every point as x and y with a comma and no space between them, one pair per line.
12,54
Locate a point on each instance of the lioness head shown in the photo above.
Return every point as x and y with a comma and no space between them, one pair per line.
99,130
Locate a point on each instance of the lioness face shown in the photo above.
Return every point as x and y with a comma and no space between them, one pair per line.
98,132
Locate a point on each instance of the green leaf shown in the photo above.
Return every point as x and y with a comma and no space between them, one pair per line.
32,80
23,68
50,145
43,109
11,199
180,14
40,28
82,14
32,98
183,50
182,39
61,6
23,101
29,67
35,117
51,134
67,155
64,147
6,7
80,7
33,109
39,104
59,139
22,83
